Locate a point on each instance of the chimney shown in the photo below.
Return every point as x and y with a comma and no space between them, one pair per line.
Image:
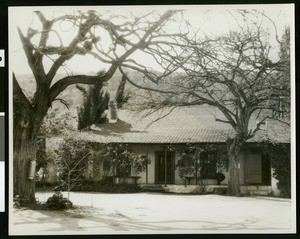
112,111
263,125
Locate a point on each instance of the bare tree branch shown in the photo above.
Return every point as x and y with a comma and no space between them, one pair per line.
63,83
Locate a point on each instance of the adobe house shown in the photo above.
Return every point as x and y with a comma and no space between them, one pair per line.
153,139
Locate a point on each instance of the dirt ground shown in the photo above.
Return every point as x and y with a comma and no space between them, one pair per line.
147,213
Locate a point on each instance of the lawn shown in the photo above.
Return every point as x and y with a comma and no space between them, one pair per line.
143,213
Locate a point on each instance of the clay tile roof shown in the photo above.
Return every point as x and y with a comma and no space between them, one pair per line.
182,125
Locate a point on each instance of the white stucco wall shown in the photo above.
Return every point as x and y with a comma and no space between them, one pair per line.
143,150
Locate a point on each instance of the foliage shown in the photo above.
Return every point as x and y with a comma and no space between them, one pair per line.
106,185
285,53
280,155
94,106
122,159
121,96
72,158
187,164
69,155
220,177
116,160
58,202
41,158
140,164
190,163
42,172
284,73
39,183
57,123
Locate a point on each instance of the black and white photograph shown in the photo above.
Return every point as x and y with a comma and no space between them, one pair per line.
170,119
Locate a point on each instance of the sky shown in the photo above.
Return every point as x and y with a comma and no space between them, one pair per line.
210,19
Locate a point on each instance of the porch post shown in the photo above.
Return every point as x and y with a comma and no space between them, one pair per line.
165,166
147,164
197,163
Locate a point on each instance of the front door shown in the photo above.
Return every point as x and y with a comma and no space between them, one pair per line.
253,168
164,168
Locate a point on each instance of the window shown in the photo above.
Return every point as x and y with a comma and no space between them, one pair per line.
257,168
208,165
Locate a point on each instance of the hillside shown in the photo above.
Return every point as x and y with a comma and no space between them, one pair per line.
59,116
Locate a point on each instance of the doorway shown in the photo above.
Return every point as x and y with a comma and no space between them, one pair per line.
164,167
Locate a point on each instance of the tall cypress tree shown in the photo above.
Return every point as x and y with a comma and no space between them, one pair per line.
94,105
121,97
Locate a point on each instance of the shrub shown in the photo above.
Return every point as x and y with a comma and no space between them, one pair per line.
280,155
107,185
124,188
58,202
77,159
281,162
40,184
193,160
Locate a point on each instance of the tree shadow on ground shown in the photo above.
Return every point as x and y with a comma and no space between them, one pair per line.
97,221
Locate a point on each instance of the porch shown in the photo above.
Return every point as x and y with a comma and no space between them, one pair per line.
185,189
208,189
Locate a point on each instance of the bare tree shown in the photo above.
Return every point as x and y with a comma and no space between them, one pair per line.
125,36
233,73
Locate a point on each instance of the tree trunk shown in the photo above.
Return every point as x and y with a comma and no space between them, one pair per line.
24,144
234,147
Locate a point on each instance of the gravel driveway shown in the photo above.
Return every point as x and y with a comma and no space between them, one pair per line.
144,213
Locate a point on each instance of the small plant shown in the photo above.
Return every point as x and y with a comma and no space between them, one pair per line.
58,202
